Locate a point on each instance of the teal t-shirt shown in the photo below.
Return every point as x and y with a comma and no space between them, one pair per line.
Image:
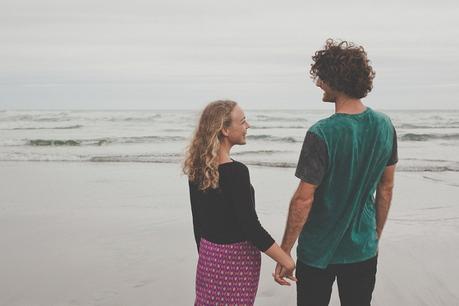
345,155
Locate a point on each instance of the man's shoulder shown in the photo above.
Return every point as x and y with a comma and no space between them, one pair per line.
382,117
318,127
336,125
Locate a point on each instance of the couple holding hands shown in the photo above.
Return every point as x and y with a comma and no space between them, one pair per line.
346,171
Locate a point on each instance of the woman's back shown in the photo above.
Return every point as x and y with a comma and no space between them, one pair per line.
227,214
228,234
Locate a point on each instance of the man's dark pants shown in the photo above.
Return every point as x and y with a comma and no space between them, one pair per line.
356,282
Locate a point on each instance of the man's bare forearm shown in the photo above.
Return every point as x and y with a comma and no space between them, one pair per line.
383,201
297,215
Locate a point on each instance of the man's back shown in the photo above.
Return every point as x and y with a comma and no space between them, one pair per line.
343,161
348,154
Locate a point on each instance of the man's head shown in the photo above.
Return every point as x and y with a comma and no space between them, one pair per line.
342,68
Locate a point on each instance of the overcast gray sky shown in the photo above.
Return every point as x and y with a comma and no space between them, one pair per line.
180,54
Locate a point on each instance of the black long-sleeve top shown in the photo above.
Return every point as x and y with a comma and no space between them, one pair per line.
227,214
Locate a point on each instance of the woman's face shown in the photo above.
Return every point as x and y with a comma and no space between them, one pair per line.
237,131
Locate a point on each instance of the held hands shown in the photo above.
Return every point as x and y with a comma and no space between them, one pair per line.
282,272
285,264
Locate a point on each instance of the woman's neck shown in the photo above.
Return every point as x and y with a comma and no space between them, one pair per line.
224,153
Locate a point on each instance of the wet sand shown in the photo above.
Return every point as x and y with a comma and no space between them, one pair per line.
121,234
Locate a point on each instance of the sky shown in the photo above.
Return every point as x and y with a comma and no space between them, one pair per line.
180,54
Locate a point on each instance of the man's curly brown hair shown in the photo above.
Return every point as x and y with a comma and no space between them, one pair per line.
344,67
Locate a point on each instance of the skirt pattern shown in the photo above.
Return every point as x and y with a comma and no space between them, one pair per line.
227,274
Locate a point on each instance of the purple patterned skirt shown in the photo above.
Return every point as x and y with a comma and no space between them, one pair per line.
227,273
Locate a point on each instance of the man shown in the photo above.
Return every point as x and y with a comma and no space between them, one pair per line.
344,160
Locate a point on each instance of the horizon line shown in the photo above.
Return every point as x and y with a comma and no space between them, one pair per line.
198,109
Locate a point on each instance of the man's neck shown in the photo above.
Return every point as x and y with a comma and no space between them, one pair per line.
348,105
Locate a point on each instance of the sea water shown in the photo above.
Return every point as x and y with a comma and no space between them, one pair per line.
428,141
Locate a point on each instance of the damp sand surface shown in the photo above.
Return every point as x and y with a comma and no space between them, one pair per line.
121,234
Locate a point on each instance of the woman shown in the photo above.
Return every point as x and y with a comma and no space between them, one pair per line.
228,234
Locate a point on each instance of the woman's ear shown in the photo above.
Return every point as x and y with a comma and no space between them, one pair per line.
225,132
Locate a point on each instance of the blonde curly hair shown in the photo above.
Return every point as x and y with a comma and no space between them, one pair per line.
201,157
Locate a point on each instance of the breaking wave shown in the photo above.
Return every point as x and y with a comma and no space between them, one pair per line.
103,141
427,137
77,126
273,138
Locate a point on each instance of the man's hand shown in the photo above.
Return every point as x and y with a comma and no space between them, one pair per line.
280,273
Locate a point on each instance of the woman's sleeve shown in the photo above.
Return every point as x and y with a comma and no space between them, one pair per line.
194,213
241,196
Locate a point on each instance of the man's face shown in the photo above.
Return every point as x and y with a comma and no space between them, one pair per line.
329,93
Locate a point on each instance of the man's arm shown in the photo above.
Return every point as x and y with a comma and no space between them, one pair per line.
298,213
311,169
384,198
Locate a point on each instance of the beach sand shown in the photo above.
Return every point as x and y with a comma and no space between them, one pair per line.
121,234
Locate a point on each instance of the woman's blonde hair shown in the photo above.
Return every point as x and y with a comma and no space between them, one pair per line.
201,157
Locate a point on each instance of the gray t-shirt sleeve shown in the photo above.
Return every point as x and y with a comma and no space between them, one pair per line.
313,160
394,156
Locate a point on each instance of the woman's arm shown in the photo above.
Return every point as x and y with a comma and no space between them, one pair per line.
194,213
239,190
243,202
282,258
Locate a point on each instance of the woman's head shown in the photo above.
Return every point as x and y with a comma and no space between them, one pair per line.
221,122
236,131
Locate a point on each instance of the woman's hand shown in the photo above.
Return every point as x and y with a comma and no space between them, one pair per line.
282,272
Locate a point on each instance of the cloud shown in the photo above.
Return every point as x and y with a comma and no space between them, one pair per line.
181,52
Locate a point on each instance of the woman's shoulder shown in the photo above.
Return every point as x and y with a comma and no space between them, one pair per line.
233,164
235,167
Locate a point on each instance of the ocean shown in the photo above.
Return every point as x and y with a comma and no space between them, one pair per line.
428,141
